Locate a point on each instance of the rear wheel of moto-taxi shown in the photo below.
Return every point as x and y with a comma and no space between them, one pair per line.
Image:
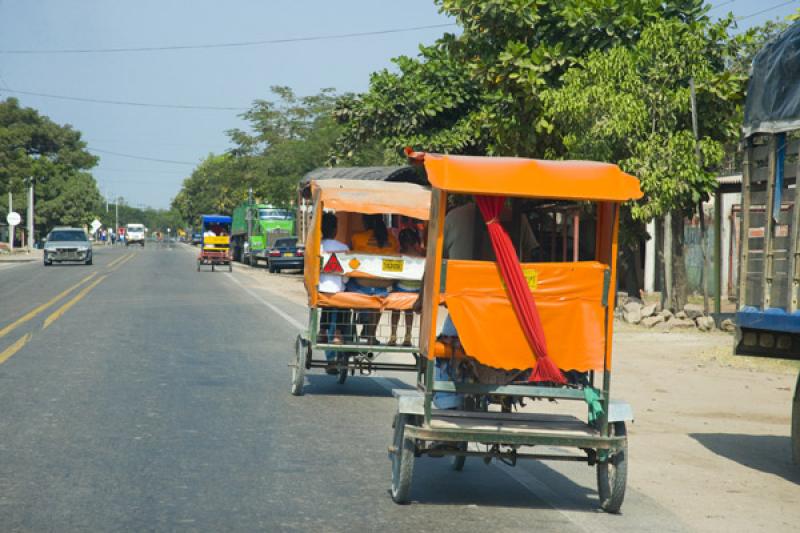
402,455
299,368
612,473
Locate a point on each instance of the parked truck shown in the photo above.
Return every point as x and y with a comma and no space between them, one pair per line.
267,224
768,319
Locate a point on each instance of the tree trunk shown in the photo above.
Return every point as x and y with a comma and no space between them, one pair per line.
680,282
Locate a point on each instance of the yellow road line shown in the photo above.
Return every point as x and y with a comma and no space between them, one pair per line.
118,259
29,315
14,348
55,315
122,263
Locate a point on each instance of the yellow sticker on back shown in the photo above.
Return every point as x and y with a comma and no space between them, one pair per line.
532,278
392,265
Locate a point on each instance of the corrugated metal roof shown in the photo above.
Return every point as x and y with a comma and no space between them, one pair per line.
398,173
730,180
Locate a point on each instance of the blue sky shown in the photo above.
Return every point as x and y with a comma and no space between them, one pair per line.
227,77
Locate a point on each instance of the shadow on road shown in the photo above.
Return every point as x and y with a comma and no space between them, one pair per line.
435,483
324,385
770,454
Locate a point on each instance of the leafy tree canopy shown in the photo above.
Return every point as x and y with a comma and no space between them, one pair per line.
55,157
286,139
480,91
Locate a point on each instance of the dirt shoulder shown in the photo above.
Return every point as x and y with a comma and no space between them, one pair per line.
711,436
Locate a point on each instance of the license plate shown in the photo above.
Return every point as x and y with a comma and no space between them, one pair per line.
287,254
392,265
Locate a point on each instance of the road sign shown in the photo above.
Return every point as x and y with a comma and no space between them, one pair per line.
13,218
96,225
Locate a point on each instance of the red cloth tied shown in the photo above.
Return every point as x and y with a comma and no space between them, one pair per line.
518,291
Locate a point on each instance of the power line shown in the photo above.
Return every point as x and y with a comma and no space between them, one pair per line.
227,45
766,10
720,5
122,102
103,170
143,158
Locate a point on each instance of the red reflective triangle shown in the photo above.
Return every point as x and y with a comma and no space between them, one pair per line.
333,266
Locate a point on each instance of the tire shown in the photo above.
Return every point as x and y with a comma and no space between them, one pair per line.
612,474
342,359
271,269
457,461
795,442
299,368
402,460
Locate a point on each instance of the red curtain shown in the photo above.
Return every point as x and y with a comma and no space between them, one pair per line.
518,290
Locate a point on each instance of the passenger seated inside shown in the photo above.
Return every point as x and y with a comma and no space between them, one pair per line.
375,239
466,237
409,245
330,283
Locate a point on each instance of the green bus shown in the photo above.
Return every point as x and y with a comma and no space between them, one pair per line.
268,224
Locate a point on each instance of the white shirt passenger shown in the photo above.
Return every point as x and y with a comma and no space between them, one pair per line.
332,282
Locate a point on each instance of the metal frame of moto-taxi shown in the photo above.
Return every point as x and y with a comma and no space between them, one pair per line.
349,200
215,251
575,302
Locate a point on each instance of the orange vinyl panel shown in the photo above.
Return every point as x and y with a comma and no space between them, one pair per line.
568,297
374,197
397,301
531,178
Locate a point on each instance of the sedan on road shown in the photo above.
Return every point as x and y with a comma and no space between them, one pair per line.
285,253
67,244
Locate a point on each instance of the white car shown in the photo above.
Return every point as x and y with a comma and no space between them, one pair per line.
67,244
134,234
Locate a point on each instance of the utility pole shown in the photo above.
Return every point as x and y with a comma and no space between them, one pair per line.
30,214
10,227
700,211
116,216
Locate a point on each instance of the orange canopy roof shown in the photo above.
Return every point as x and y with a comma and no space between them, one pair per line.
533,178
374,197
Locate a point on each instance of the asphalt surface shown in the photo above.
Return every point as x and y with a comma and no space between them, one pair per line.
154,397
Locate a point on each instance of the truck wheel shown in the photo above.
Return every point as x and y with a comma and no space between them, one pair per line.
612,474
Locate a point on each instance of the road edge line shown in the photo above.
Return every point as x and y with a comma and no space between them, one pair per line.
296,323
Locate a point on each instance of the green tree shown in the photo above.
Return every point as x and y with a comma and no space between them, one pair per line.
286,138
34,147
480,92
631,105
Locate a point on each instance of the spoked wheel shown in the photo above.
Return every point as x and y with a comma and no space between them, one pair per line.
402,460
342,375
612,474
457,461
299,367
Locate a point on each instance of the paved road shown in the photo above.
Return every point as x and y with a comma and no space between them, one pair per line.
153,397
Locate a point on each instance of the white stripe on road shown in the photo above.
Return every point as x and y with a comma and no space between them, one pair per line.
275,309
